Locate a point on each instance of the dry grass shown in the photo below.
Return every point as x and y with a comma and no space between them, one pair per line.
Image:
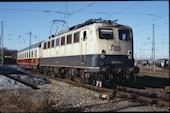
24,100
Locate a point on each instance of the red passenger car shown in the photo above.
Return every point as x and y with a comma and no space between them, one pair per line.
29,57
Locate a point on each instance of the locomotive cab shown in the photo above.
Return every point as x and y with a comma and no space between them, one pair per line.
114,47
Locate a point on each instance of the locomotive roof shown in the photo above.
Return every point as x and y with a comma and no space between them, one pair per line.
32,46
89,22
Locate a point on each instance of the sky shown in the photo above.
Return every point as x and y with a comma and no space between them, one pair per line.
148,19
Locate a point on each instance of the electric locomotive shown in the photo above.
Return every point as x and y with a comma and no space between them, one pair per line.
96,50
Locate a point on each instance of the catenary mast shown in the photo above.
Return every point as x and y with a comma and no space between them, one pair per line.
1,46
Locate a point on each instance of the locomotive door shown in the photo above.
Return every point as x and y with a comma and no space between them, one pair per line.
83,47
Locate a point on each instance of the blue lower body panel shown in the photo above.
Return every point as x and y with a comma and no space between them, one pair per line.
88,61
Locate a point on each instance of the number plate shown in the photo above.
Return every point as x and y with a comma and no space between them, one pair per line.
116,48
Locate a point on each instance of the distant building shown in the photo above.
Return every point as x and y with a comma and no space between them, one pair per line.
163,63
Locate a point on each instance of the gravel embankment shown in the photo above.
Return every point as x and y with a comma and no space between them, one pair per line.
12,78
8,83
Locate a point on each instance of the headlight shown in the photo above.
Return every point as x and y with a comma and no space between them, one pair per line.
102,56
129,53
103,52
129,57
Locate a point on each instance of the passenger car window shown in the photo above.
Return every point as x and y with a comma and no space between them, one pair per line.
29,55
124,35
32,53
106,34
35,53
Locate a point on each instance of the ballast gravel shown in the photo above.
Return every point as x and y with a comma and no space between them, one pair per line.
79,99
58,96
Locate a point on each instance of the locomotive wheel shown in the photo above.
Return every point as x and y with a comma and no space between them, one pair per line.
133,78
120,80
93,82
68,76
77,79
52,74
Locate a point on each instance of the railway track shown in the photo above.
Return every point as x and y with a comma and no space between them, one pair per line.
123,92
144,96
152,71
140,95
127,92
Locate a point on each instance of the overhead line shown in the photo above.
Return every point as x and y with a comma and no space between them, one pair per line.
151,28
125,9
45,11
129,7
111,13
84,8
14,29
149,21
125,13
81,9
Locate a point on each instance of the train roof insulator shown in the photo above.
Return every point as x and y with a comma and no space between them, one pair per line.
52,36
88,22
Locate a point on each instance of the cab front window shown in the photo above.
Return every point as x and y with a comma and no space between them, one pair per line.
106,34
124,35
